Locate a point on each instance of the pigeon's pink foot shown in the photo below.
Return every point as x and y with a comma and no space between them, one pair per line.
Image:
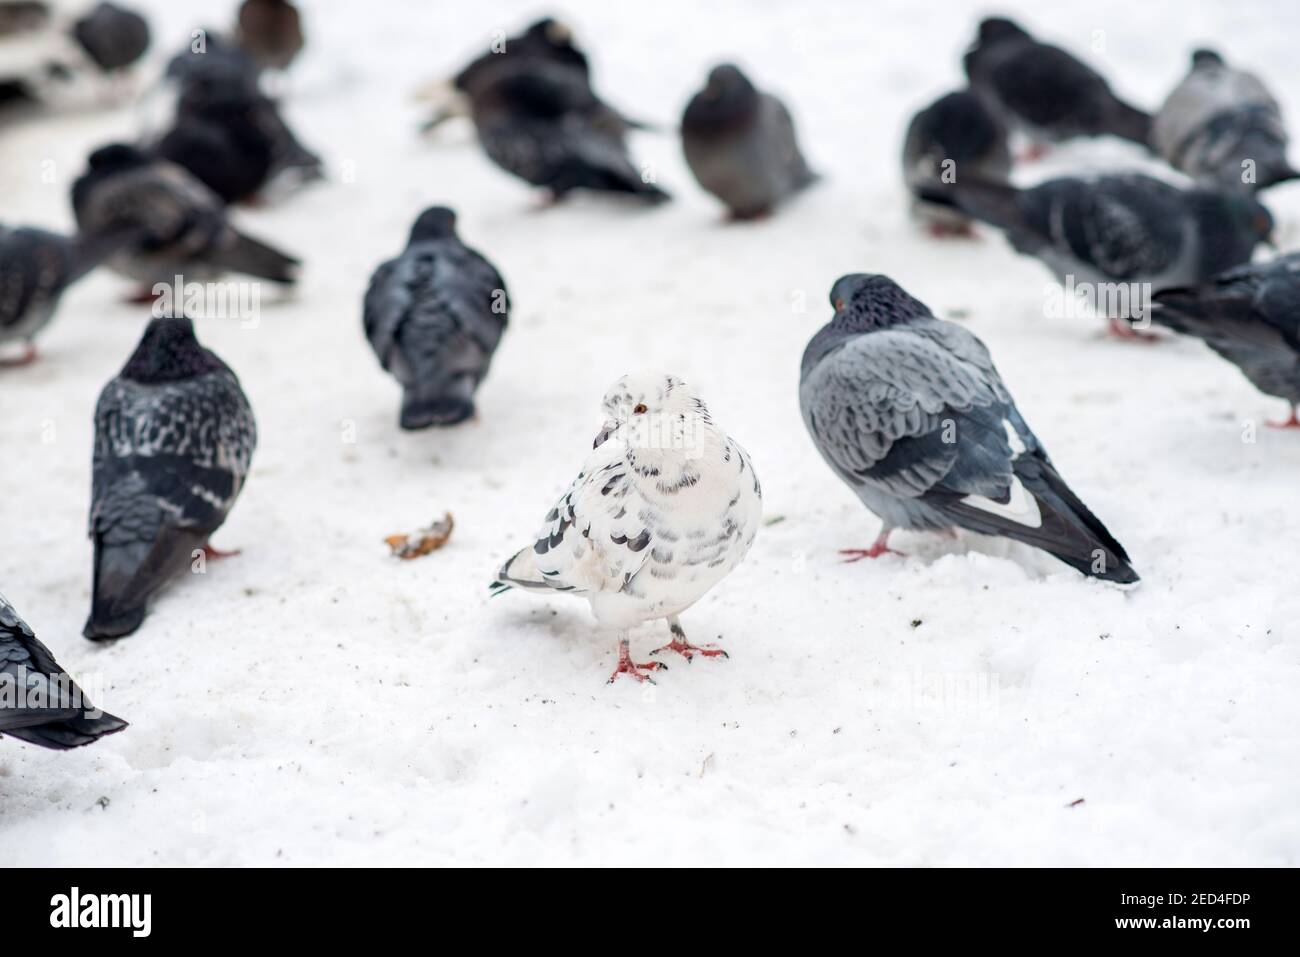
1033,152
879,547
637,670
951,230
26,359
687,650
1119,329
1291,423
143,295
216,554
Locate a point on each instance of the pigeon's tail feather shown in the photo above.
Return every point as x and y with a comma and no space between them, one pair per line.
520,571
73,732
990,201
253,258
437,402
1192,312
1057,522
127,575
1278,174
93,248
1130,123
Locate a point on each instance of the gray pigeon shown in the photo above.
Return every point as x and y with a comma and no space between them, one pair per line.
741,146
1251,317
23,16
1222,125
1127,228
39,702
112,36
174,435
35,268
540,121
1044,92
184,223
909,411
434,316
955,135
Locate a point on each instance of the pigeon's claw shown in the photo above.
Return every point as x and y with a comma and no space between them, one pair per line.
1119,329
1291,423
27,358
689,651
216,554
638,670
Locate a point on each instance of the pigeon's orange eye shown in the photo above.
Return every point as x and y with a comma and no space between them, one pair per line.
839,305
640,408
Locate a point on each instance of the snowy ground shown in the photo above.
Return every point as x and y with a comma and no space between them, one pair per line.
313,701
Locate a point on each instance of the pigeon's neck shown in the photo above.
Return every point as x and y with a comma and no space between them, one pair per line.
678,456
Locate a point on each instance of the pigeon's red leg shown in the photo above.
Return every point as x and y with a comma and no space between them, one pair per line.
144,294
951,230
216,554
1120,329
879,547
684,648
626,666
26,359
1033,152
1291,423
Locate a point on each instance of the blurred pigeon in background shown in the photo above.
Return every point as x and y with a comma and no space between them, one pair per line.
1044,92
36,267
112,36
541,122
1125,228
184,224
43,705
23,16
740,144
666,505
1251,317
910,412
1222,125
956,135
434,316
271,31
174,436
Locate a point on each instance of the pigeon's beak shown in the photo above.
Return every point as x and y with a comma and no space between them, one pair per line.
606,431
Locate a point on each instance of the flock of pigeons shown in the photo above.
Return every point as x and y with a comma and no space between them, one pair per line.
906,408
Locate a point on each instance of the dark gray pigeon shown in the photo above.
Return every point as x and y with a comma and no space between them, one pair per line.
174,435
1044,92
52,711
434,316
1222,125
541,122
112,36
185,228
910,412
36,267
741,146
271,31
1126,228
956,135
1251,317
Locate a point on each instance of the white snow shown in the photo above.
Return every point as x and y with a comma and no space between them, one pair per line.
314,701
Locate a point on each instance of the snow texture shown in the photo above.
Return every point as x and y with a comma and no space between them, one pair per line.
316,701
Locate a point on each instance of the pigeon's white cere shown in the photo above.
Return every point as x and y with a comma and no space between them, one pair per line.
665,506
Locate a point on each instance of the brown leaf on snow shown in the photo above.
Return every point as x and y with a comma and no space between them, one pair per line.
422,541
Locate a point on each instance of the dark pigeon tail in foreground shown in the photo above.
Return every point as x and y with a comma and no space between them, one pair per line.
64,719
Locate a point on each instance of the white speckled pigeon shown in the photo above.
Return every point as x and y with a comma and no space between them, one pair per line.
1044,92
35,268
665,506
434,316
185,228
540,121
740,144
956,135
1222,125
1251,317
909,411
39,702
174,436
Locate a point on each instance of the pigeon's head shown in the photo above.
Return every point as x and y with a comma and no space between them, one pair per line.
436,222
993,30
649,409
169,352
726,79
117,156
553,39
866,301
728,98
1205,57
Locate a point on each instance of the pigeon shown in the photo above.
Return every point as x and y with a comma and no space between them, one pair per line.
741,146
955,135
23,16
1044,92
434,316
112,36
39,701
174,435
271,31
1251,316
1124,228
1223,126
665,506
185,225
541,122
910,412
36,267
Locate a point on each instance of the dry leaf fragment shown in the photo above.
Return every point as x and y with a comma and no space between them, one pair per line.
422,541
